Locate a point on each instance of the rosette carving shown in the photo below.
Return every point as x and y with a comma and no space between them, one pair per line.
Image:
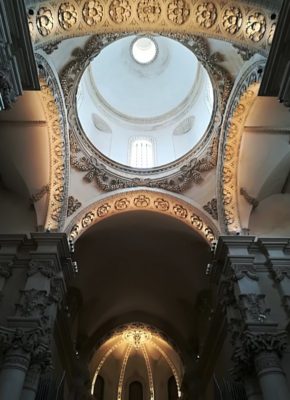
141,201
196,222
178,12
256,27
120,11
44,21
122,204
180,211
206,15
161,204
149,10
232,20
67,15
88,219
93,12
103,210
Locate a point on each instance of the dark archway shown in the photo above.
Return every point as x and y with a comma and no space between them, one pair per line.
136,391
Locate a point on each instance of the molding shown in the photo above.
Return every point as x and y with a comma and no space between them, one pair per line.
142,200
240,22
239,106
54,109
175,176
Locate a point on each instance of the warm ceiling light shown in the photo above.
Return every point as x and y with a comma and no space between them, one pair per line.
137,336
144,50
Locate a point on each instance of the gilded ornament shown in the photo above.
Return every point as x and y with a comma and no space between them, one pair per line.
232,20
120,11
44,21
227,197
227,175
180,211
56,214
103,210
141,201
271,34
59,194
209,234
239,111
228,153
149,10
229,217
256,27
178,11
74,232
161,204
121,204
196,221
93,12
88,219
206,15
67,15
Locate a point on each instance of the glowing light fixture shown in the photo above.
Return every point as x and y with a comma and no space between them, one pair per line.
137,337
144,50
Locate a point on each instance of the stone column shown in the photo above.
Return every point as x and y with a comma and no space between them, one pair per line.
252,388
31,382
271,376
12,374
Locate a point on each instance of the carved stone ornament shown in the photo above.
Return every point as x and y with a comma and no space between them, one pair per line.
176,176
252,344
140,199
54,108
7,93
149,10
254,308
211,208
240,102
33,303
44,267
73,205
243,22
245,53
6,269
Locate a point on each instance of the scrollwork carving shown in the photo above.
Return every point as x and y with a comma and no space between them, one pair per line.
44,267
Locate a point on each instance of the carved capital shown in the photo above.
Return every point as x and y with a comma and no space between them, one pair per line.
45,267
267,361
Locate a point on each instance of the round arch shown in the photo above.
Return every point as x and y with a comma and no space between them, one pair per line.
143,200
241,22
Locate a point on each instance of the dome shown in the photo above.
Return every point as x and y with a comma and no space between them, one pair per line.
137,108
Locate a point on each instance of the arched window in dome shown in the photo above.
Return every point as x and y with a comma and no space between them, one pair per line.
172,389
141,152
99,388
136,391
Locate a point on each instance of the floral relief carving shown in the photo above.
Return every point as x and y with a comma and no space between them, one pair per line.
103,210
74,232
149,10
67,15
180,211
178,11
196,221
32,302
73,205
120,11
232,20
208,232
161,204
93,12
88,219
206,15
6,269
122,204
211,208
256,27
141,201
44,21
